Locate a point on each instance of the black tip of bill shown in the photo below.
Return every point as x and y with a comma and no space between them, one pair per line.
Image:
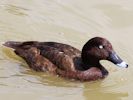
123,65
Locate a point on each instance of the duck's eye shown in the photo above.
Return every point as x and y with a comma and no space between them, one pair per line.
100,47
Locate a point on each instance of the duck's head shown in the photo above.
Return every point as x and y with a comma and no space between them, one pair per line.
97,49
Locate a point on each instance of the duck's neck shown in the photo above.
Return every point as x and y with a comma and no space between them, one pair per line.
94,63
88,63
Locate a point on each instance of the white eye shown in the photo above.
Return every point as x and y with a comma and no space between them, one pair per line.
100,46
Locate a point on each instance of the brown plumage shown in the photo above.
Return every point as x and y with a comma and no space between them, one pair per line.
65,60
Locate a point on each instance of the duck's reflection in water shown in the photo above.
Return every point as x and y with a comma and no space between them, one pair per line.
97,92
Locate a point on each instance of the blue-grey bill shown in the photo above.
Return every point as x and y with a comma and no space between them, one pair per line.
114,58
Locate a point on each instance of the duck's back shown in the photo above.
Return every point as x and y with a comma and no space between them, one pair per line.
61,55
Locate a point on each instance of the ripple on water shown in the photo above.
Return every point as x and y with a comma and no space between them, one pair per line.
15,10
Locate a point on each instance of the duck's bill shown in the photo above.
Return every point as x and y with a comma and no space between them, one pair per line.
114,58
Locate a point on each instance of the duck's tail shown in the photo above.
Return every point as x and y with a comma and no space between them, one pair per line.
12,44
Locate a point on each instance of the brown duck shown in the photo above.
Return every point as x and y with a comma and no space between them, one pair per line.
67,61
